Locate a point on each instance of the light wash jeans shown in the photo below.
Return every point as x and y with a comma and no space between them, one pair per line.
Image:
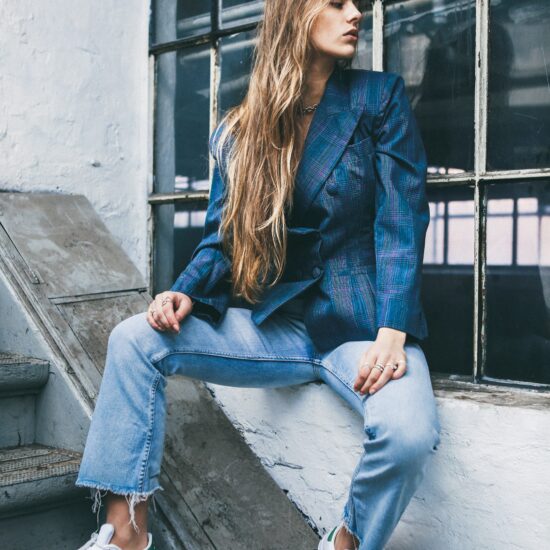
125,443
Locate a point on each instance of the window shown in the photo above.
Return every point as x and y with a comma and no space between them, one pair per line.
486,128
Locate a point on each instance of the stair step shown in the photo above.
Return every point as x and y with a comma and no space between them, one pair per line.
22,375
33,475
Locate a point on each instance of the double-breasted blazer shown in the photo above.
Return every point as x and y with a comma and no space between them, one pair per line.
357,228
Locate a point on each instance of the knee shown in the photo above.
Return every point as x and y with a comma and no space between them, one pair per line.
409,447
128,332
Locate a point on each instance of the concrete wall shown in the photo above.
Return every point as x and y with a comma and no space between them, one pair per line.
486,487
73,107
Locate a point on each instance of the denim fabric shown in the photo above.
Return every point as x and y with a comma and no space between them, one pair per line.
125,443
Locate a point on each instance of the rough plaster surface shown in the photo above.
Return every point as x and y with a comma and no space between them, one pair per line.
73,107
486,487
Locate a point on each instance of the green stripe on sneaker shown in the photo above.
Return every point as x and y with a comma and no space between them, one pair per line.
331,533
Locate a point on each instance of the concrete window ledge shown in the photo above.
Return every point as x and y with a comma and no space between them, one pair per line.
486,487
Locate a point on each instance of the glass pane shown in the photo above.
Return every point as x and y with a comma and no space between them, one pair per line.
449,242
236,59
182,120
363,56
173,19
519,86
432,46
241,12
518,281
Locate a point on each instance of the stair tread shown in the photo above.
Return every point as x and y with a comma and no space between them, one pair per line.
21,375
34,462
18,359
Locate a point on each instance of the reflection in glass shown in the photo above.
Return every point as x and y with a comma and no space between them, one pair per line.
181,144
450,243
363,56
432,46
518,281
519,87
241,12
236,59
182,120
173,19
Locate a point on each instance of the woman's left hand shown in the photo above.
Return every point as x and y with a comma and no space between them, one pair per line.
387,350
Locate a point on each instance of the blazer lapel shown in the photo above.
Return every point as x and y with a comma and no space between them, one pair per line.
331,128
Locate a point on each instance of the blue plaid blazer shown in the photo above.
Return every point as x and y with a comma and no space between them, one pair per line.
357,228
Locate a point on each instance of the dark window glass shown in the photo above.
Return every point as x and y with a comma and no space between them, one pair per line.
182,120
518,281
519,85
432,45
173,19
241,12
181,148
448,279
363,57
236,58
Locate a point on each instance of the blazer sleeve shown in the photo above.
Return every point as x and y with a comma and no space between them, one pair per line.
205,279
402,212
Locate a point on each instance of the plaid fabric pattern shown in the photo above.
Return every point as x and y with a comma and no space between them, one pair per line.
357,229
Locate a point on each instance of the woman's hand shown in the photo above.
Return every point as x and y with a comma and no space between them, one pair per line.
387,350
168,309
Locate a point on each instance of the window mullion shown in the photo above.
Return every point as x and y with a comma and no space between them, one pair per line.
378,35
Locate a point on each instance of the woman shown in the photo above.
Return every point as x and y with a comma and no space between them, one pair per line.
318,198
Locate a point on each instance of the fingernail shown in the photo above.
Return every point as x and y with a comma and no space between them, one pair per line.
175,327
372,390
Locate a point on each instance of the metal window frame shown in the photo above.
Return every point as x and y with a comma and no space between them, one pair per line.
478,178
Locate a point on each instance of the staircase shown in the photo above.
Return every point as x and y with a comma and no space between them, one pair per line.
37,489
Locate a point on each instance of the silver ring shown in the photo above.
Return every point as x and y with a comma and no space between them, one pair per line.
395,367
166,300
379,367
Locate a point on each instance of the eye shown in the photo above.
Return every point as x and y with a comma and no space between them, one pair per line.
337,4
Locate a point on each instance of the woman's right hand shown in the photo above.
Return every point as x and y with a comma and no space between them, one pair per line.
168,309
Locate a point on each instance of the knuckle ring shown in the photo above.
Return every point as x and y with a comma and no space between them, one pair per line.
166,300
379,367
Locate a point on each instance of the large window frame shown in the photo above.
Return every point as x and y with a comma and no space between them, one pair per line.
476,179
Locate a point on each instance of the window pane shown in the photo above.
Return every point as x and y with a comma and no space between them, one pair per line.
363,56
518,281
241,12
432,45
173,19
236,59
519,88
181,145
450,243
182,120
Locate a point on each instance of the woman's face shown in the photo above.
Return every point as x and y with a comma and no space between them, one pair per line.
328,34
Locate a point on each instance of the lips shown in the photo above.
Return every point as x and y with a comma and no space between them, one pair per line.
353,32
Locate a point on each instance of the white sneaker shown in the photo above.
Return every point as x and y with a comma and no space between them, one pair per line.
327,542
101,540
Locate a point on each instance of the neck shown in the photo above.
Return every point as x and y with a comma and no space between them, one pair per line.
317,74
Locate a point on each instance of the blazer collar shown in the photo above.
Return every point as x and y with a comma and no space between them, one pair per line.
331,128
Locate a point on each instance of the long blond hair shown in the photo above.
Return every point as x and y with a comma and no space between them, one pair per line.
264,156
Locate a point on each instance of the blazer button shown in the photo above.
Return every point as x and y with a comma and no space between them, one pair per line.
316,271
332,189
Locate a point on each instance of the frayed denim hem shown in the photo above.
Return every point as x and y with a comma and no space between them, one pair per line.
132,498
349,523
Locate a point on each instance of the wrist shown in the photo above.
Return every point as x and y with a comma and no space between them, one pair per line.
392,333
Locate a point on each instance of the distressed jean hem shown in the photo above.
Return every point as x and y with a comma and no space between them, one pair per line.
132,497
349,523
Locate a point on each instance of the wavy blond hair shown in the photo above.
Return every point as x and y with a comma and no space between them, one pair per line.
265,153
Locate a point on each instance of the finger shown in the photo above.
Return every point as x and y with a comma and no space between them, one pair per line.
168,310
152,321
182,306
160,317
372,378
382,379
401,369
365,366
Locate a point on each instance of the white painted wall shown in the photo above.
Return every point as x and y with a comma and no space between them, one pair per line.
73,107
487,487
